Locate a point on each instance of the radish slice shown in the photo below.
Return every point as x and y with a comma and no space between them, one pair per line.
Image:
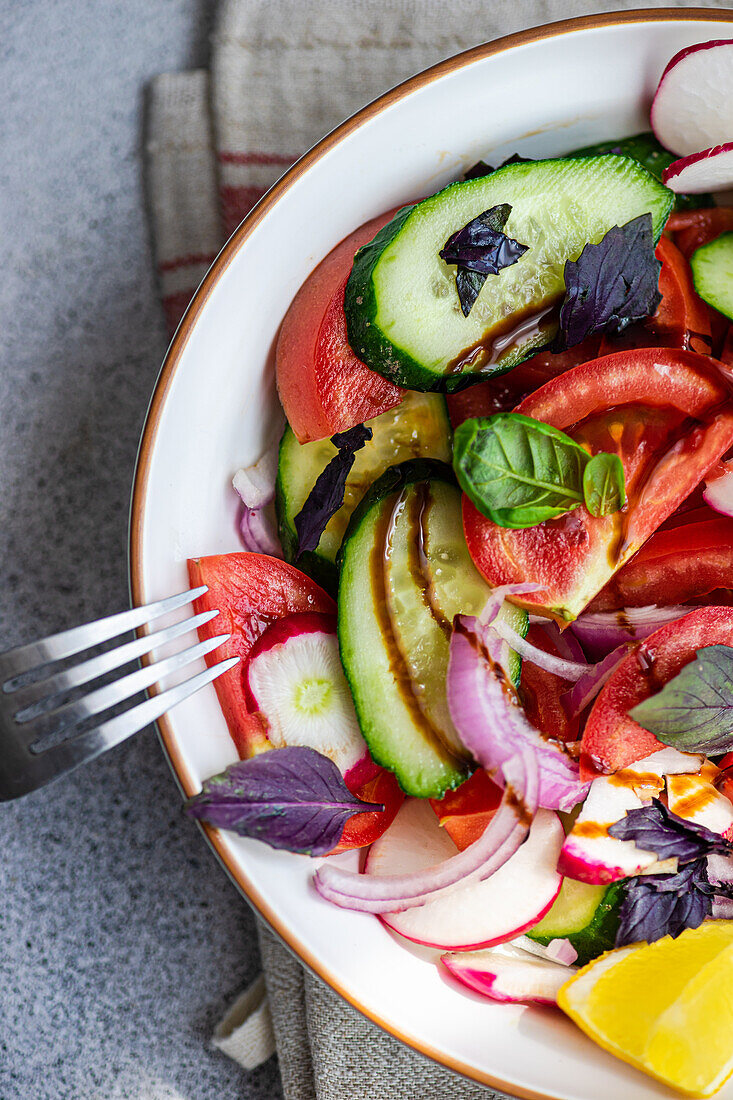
709,170
479,913
502,837
589,853
295,678
692,104
718,491
508,977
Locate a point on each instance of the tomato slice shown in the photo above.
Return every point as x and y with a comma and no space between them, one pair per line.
693,228
611,739
323,387
251,592
678,565
637,404
465,812
541,691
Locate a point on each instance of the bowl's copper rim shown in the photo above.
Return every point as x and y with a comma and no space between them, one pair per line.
147,443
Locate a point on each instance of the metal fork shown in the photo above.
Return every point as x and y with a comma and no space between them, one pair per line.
34,714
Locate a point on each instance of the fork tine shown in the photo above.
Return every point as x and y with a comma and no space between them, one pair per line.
63,758
68,642
119,691
42,691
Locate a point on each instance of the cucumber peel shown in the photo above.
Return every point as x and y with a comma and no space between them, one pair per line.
712,273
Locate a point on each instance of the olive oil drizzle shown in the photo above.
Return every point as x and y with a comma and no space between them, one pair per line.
379,560
420,503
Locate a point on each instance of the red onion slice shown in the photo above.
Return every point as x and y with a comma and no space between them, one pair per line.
493,605
493,726
600,632
718,492
255,486
587,687
568,670
500,840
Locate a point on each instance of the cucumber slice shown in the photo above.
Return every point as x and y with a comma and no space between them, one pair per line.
402,309
712,273
587,916
405,573
654,157
416,428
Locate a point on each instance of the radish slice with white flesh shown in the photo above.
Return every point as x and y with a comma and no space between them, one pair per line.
509,977
476,914
693,104
295,678
709,170
589,853
718,492
696,798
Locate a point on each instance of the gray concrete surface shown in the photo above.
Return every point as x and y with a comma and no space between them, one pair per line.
121,941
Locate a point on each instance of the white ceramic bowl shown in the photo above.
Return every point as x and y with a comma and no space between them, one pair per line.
542,92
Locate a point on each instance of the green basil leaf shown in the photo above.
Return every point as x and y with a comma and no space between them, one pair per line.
694,710
604,487
517,471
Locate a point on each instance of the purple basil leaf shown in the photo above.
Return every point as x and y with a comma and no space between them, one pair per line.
481,168
327,495
611,284
694,710
480,248
664,905
468,285
478,170
293,798
656,829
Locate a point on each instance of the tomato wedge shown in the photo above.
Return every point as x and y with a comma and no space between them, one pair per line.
252,591
611,739
638,404
323,387
465,812
541,693
678,565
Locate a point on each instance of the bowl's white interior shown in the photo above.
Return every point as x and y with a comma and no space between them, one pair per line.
543,97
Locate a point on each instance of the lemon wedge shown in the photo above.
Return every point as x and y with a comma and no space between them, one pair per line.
665,1007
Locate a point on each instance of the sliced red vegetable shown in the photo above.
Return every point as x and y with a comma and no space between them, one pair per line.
493,726
541,692
719,490
693,228
465,812
323,387
501,839
585,689
691,106
634,404
611,739
709,170
477,913
682,563
294,677
601,632
252,592
513,978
